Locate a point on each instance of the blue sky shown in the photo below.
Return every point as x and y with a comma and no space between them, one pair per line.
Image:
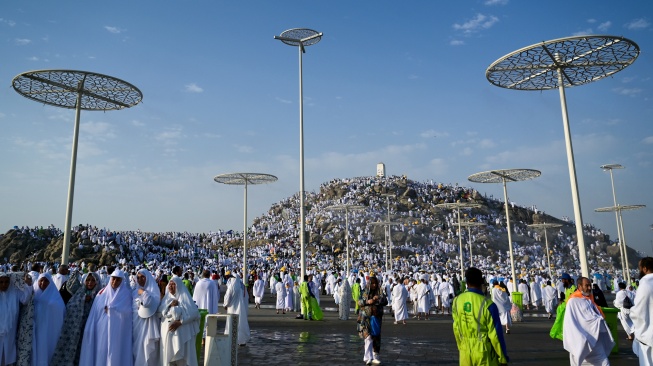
399,82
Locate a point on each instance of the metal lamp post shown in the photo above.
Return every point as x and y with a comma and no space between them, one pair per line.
622,249
546,226
387,231
79,90
469,225
301,38
346,209
620,223
503,176
561,63
245,179
457,206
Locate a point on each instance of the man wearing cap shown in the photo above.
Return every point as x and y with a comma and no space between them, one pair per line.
476,325
568,284
107,336
147,325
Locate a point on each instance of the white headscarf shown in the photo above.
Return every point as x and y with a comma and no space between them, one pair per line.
49,310
186,332
151,288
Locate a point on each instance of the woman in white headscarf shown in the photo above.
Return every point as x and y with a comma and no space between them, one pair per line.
77,311
146,322
11,296
235,302
179,325
49,310
107,336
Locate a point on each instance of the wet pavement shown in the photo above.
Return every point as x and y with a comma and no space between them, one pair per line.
283,340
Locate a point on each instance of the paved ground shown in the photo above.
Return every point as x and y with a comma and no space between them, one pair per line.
284,340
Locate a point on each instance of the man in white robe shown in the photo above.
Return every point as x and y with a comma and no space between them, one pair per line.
107,336
501,299
525,293
586,335
536,294
280,289
624,313
423,298
642,313
550,298
446,295
61,277
207,294
146,323
11,295
399,297
258,291
235,302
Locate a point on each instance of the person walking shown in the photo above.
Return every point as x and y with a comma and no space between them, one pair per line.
476,325
642,313
370,318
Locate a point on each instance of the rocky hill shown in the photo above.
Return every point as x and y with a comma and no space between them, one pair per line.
414,204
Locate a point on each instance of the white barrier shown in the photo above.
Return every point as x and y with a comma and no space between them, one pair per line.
221,348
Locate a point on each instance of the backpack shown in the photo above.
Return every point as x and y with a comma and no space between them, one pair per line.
627,302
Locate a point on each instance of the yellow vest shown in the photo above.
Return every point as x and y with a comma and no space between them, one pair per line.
476,336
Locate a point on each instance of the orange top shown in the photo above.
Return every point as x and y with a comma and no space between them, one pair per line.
577,293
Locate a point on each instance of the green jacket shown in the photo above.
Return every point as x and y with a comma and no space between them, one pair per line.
478,331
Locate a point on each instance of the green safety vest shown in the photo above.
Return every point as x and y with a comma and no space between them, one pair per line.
476,336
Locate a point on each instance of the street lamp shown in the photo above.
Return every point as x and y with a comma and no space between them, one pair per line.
503,176
346,208
387,231
469,225
561,63
76,90
546,240
618,209
301,37
245,179
622,249
457,206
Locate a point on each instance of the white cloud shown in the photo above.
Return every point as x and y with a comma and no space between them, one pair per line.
22,41
433,133
244,149
8,22
480,21
496,2
456,42
97,130
285,101
170,135
627,91
114,30
193,88
648,140
467,151
138,123
413,77
33,58
638,24
583,32
486,144
591,20
604,26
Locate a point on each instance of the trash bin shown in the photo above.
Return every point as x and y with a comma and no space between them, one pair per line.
517,299
200,335
612,321
220,347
